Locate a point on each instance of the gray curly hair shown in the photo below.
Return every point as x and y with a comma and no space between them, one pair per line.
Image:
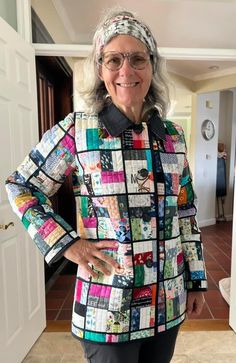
94,92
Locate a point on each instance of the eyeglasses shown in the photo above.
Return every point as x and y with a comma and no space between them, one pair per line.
115,60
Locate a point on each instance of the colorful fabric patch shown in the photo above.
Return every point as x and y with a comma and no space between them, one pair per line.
174,258
146,333
145,263
138,167
142,216
175,297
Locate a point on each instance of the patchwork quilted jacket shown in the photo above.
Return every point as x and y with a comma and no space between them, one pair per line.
132,184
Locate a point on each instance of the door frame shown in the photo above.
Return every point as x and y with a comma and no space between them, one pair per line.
23,13
66,50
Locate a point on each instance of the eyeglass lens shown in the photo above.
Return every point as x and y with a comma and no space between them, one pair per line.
114,60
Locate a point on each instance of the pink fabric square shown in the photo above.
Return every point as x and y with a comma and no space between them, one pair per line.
111,338
69,170
105,292
79,286
94,290
180,258
112,176
49,226
69,144
169,147
30,203
90,222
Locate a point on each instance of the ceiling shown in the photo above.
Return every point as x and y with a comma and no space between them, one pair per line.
174,23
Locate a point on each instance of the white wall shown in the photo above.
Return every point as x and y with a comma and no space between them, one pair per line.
8,12
227,136
206,158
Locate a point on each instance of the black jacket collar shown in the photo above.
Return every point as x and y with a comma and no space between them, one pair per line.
116,122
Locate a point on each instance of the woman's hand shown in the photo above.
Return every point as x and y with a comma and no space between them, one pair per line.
195,302
83,252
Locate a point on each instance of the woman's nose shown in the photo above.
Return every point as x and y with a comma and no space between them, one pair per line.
126,67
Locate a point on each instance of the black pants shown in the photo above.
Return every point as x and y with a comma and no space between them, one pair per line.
158,350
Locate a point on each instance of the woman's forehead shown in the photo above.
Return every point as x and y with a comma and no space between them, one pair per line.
123,43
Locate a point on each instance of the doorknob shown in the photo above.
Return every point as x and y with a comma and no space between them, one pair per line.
5,226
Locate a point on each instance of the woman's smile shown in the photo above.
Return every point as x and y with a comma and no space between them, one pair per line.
128,85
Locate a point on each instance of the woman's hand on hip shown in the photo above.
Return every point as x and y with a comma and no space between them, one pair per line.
84,252
195,302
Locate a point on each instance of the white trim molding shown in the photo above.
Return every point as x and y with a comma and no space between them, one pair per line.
62,50
199,54
24,19
83,50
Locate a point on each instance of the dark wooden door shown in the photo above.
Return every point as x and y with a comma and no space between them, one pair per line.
55,89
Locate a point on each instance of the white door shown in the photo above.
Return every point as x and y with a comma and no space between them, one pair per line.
22,289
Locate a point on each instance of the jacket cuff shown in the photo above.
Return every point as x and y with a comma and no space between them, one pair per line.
57,251
196,285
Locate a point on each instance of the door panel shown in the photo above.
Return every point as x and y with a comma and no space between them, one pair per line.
22,299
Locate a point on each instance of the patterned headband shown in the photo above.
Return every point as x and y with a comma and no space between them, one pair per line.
124,24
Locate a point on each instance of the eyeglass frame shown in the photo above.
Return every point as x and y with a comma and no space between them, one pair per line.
125,55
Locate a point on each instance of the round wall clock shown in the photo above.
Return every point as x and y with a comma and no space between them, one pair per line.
208,129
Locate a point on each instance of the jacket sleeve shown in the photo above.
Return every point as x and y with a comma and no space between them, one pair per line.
190,232
39,177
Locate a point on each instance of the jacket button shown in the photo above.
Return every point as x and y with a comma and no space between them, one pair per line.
138,212
146,217
149,263
143,173
138,128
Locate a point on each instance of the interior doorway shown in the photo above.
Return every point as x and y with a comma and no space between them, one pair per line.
55,90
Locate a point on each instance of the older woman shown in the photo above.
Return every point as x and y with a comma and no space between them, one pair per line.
138,247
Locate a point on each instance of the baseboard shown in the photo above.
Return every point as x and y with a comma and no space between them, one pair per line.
212,221
207,222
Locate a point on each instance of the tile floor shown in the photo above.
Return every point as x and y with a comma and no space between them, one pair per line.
191,347
217,242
